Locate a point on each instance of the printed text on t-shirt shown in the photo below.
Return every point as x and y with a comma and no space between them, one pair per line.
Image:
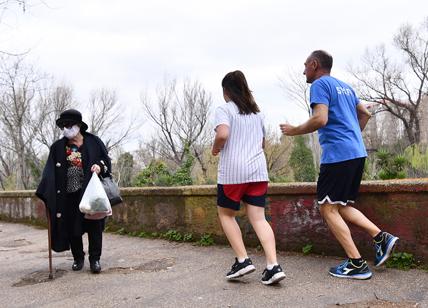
345,91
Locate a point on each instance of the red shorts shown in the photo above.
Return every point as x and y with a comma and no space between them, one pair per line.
230,195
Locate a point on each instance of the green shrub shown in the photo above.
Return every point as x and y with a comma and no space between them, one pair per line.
391,166
417,157
157,173
183,175
280,179
301,161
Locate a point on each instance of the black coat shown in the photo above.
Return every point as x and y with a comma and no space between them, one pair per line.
52,187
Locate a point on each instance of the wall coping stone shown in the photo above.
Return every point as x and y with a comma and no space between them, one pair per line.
388,186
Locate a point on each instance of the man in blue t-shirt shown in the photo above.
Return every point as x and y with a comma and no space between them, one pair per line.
339,117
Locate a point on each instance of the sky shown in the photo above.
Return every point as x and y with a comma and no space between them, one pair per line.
131,46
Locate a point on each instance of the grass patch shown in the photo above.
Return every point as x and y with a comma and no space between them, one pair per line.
121,231
188,237
170,235
173,236
402,261
307,249
205,240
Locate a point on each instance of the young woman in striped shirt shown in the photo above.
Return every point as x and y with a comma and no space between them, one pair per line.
242,175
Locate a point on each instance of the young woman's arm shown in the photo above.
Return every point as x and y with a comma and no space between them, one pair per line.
221,135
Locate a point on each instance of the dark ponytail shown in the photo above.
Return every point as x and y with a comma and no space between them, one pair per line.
236,88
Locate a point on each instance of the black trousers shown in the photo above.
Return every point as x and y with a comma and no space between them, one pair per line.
95,239
77,226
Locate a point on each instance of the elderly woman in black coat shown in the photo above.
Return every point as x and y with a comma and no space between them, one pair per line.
71,162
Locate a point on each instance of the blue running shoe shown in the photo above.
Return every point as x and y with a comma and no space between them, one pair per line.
384,248
348,270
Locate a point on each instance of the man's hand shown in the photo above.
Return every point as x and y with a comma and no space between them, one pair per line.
363,115
318,119
287,129
215,151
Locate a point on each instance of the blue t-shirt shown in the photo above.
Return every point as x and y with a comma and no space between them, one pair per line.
341,138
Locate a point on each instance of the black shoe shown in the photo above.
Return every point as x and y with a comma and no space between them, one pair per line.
77,265
272,276
95,266
241,269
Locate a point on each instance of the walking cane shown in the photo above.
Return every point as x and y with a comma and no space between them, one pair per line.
49,242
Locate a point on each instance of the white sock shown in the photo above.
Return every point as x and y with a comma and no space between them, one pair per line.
240,260
270,266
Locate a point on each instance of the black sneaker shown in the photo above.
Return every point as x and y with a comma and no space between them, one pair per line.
272,276
348,270
384,248
241,269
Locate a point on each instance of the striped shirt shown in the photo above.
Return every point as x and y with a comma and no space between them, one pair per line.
242,159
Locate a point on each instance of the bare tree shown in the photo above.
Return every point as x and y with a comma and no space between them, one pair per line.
6,4
6,167
147,152
384,130
11,5
201,149
123,167
398,87
107,118
52,100
277,151
18,88
22,5
297,90
182,120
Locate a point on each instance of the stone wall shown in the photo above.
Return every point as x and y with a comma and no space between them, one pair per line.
400,207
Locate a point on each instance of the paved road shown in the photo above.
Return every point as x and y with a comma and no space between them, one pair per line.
157,273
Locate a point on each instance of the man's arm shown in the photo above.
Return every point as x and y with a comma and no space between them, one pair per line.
221,135
363,115
318,119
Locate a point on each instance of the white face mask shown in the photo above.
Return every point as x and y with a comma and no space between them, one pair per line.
71,132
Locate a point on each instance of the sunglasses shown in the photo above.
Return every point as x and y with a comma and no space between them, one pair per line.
67,124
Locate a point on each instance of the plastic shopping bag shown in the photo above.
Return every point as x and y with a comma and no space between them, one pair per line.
95,203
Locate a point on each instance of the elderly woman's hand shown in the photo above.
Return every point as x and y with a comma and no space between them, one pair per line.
96,168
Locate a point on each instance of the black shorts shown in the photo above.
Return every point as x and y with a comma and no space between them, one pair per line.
338,183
